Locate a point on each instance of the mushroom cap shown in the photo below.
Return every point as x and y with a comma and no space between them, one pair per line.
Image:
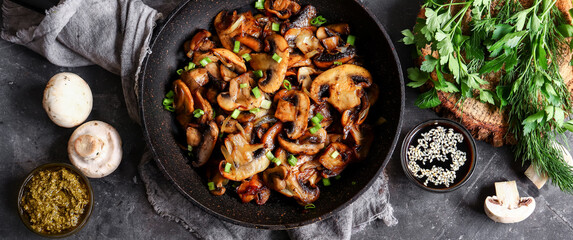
95,149
502,214
67,99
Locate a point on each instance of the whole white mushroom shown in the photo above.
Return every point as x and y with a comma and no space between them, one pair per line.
95,149
67,99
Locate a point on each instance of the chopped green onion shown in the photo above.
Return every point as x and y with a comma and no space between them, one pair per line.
266,104
190,66
256,92
167,101
243,85
309,206
228,167
350,40
353,182
235,114
169,108
247,57
334,154
287,85
221,135
258,73
277,58
189,148
260,4
326,182
205,61
276,27
337,63
255,110
277,161
337,177
317,21
211,186
198,113
314,129
317,119
179,71
170,94
237,47
292,160
270,155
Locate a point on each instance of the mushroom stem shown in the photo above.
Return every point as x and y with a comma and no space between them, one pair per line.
88,146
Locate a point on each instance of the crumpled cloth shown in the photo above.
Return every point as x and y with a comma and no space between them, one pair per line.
115,34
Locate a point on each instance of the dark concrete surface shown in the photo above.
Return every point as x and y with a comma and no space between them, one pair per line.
28,139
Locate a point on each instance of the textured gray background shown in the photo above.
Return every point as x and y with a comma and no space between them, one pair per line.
28,138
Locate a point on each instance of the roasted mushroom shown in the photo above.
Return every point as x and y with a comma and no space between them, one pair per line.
239,95
335,158
273,65
309,144
195,78
254,189
199,42
183,102
230,60
205,139
293,110
341,86
242,160
283,9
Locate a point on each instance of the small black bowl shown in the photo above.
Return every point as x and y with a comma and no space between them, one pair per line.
467,145
88,208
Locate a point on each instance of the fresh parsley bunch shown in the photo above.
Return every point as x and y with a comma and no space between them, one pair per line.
462,41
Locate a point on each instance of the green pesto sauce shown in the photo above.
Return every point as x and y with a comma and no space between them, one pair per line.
54,200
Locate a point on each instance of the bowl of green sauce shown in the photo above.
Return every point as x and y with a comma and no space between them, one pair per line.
55,200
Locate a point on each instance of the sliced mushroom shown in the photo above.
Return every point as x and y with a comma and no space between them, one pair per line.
306,145
269,138
298,60
305,17
183,102
226,73
204,105
195,78
228,25
239,97
95,149
210,135
304,77
218,180
283,9
507,206
341,86
326,60
245,159
199,42
274,72
335,158
289,180
230,60
254,189
304,40
293,109
193,135
251,42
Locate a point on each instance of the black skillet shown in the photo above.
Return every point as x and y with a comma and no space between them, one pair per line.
280,212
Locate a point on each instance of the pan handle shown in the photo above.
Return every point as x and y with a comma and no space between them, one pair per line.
37,5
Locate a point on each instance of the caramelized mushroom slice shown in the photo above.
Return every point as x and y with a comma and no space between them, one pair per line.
228,25
244,159
283,9
274,72
304,40
218,181
293,109
307,146
298,60
195,78
335,158
341,86
239,97
193,135
251,42
304,78
183,102
340,28
326,60
254,189
226,73
230,60
204,105
305,17
210,135
269,138
199,42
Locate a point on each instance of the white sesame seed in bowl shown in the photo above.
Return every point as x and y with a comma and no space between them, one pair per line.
438,155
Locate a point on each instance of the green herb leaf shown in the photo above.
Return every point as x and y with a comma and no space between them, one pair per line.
429,65
428,99
418,77
486,96
408,37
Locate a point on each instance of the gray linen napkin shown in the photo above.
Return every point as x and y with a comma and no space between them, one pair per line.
115,34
